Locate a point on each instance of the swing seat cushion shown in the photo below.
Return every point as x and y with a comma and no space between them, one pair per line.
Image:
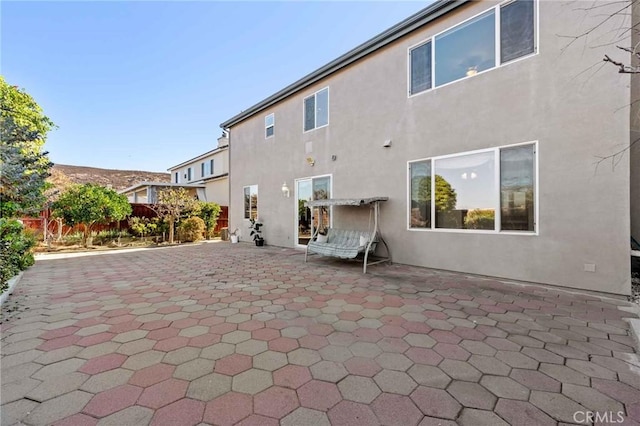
342,243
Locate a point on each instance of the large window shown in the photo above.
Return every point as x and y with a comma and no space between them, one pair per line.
490,190
466,49
269,126
316,110
251,202
470,47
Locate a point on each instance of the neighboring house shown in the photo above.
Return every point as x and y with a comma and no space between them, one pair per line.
209,170
481,103
146,192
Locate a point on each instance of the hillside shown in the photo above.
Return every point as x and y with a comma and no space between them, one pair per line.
63,175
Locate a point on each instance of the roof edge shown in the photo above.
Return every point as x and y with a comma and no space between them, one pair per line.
426,15
198,157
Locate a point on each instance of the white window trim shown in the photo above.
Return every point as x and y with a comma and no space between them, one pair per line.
496,231
498,63
257,211
315,112
295,189
272,115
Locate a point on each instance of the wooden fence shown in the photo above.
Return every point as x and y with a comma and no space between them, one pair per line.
55,227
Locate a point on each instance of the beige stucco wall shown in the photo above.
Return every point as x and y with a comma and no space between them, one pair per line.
583,212
217,191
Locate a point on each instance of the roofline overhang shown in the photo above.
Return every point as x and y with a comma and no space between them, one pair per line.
142,185
199,157
423,17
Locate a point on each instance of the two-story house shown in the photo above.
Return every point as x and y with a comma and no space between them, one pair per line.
481,122
208,171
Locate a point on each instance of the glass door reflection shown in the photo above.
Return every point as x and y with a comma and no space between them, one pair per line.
307,220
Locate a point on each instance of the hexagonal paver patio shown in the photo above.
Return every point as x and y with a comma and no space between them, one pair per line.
233,334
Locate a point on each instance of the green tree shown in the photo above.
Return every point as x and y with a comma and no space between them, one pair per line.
24,166
446,197
209,212
171,204
89,205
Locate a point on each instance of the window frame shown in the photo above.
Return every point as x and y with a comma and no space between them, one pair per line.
497,196
177,177
203,169
257,196
497,44
315,111
272,125
211,166
189,174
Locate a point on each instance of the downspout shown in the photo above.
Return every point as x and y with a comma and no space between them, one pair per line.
227,133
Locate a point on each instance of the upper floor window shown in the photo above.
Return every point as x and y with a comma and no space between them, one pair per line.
316,110
211,169
251,202
269,126
177,177
472,46
491,190
189,174
202,169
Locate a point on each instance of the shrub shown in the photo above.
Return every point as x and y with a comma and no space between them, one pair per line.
480,219
139,226
191,229
208,212
15,250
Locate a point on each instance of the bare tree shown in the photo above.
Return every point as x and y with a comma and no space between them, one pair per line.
171,204
618,15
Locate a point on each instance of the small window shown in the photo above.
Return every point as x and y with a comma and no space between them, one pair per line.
251,202
211,169
177,177
202,170
316,110
269,126
189,174
517,34
420,58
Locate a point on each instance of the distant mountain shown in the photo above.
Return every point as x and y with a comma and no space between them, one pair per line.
62,175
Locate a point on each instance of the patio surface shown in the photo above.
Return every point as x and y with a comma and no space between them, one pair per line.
234,334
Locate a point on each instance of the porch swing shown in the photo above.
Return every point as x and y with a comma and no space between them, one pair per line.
348,244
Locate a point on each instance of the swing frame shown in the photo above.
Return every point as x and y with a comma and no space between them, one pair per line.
347,247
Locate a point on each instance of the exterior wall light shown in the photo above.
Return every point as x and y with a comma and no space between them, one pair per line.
285,190
311,161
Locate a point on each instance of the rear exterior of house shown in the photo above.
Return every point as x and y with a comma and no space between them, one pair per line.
482,104
211,170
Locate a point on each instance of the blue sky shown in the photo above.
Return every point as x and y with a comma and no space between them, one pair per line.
144,85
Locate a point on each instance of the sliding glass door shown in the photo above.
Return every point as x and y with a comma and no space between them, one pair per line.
308,189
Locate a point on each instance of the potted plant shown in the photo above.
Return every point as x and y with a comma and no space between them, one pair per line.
256,232
234,236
